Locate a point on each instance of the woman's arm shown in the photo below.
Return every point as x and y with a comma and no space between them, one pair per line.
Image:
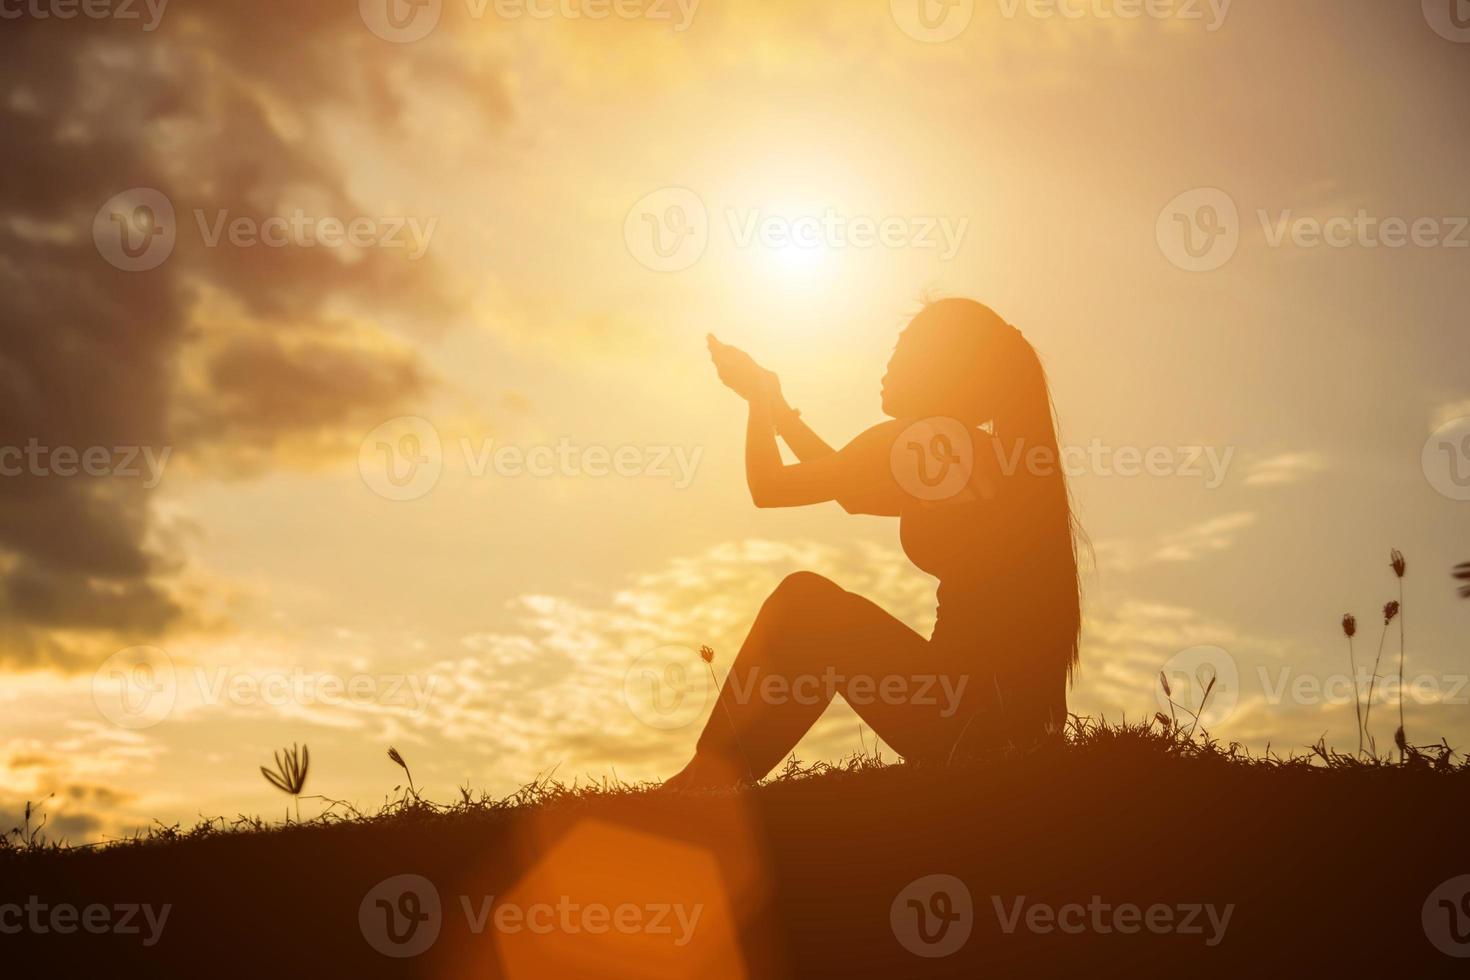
741,372
763,464
858,476
802,439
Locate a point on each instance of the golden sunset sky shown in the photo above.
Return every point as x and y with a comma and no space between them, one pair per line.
486,626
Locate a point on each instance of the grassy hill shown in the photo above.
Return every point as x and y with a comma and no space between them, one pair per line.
1121,852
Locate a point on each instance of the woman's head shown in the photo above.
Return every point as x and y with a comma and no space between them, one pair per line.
960,360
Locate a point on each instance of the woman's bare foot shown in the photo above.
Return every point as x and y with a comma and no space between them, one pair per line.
708,772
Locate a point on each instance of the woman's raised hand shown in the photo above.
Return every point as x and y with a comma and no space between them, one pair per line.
740,373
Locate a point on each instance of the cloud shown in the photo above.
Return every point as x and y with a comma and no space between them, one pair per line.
1192,543
224,110
330,380
1189,544
1284,469
1448,412
551,692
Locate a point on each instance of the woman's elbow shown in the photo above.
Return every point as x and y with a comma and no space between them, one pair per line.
762,498
762,494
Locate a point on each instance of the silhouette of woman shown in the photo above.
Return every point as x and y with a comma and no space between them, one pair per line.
969,464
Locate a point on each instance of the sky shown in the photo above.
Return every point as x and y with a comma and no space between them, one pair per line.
387,327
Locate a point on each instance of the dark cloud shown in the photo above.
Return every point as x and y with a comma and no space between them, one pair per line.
222,109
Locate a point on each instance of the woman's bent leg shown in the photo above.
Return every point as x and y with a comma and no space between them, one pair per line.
812,641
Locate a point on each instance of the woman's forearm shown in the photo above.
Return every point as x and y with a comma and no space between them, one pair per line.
762,454
804,442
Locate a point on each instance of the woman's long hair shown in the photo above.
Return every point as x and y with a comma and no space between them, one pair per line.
984,372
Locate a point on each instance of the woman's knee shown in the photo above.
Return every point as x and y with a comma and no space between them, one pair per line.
803,596
801,588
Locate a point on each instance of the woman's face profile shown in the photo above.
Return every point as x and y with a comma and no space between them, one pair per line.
920,375
901,380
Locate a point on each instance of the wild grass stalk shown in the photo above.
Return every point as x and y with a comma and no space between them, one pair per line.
1350,629
1390,612
397,758
290,773
707,654
1397,563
